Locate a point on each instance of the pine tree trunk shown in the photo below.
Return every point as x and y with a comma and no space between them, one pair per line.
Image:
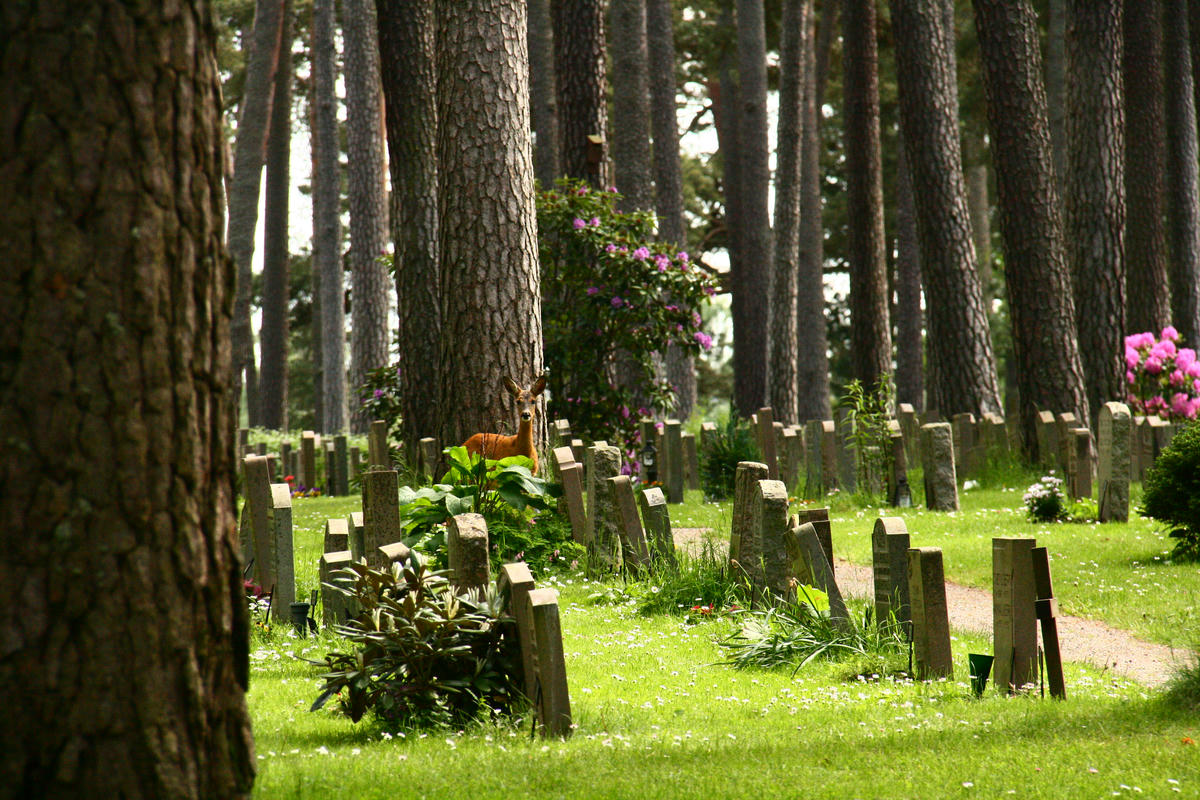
273,337
580,71
725,101
406,44
491,285
327,223
125,624
543,91
870,333
910,378
630,105
980,207
1095,201
1056,87
1183,173
1146,283
370,296
1049,373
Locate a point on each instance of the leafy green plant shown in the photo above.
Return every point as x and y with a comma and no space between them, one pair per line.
729,444
1045,501
867,414
544,542
1172,492
380,397
693,582
423,655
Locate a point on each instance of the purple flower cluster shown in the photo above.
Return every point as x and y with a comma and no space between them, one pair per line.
1163,378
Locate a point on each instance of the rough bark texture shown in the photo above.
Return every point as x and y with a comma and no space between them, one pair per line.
725,101
406,45
1049,373
812,396
579,69
1095,201
327,223
980,207
1183,173
1056,87
910,377
630,105
491,298
249,155
124,619
543,91
1147,289
784,381
273,336
370,290
962,365
870,333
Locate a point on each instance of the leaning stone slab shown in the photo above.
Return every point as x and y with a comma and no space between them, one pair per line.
747,475
467,552
553,701
656,521
819,518
515,583
634,553
803,546
937,450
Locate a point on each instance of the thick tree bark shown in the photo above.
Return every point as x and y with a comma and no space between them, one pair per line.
406,44
1095,201
543,91
273,337
630,105
870,333
784,367
1056,87
491,298
327,223
580,71
725,101
1183,173
962,365
1049,373
1146,285
812,396
124,618
253,125
370,292
980,207
910,375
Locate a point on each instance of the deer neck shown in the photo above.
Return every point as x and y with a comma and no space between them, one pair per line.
524,440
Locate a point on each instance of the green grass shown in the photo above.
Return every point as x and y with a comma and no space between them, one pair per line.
660,715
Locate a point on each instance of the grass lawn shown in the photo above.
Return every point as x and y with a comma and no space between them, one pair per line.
659,715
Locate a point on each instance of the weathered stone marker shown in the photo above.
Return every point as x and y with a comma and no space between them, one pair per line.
1065,422
907,417
673,449
334,604
829,455
792,456
748,474
256,520
1112,476
1047,613
930,616
1081,464
708,430
765,434
580,453
377,445
803,547
819,518
764,553
467,552
656,520
889,561
428,456
282,552
1047,437
341,460
358,533
552,701
1014,624
308,460
571,475
691,460
937,451
847,455
381,513
355,463
604,542
814,477
898,491
634,553
963,428
515,583
560,433
285,460
337,536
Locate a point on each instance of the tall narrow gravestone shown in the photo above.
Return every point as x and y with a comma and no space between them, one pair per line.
1081,464
634,552
847,455
341,460
551,697
930,616
1112,478
1014,623
467,552
747,475
814,479
515,583
1047,438
334,604
937,453
377,445
691,460
819,518
308,460
282,552
673,447
428,456
381,512
285,460
571,475
907,417
829,456
1065,422
765,433
656,520
768,568
899,492
793,456
604,462
963,428
889,561
256,520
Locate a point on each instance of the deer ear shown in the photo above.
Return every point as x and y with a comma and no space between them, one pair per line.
512,387
538,386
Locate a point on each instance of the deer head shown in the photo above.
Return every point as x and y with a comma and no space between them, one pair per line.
526,398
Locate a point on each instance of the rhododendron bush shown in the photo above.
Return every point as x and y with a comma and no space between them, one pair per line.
1163,378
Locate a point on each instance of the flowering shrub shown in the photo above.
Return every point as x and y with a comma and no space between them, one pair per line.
380,397
608,292
1163,378
1044,500
1173,492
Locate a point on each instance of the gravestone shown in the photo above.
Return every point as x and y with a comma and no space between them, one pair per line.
571,476
580,453
907,417
1137,437
847,455
889,561
1112,474
748,474
308,460
819,519
271,467
428,456
256,525
930,616
1065,422
898,491
358,533
377,445
993,436
1014,624
1047,437
341,460
293,468
334,604
1159,435
780,452
765,433
937,452
829,456
814,478
1046,610
604,540
648,432
691,460
337,536
673,450
963,428
285,460
260,449
634,553
804,550
244,440
282,552
551,697
355,463
467,552
1081,463
764,554
560,433
393,553
381,512
515,583
708,430
656,520
793,456
328,463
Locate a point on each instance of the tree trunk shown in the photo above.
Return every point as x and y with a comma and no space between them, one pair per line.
579,69
1095,201
980,207
870,333
125,620
253,125
1049,373
1146,286
406,43
543,100
273,338
725,101
491,298
630,105
327,223
1056,87
962,365
812,396
369,281
784,367
910,377
1183,173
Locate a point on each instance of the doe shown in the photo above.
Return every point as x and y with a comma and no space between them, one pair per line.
496,445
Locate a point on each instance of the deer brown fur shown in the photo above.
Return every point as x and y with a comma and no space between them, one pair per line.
495,446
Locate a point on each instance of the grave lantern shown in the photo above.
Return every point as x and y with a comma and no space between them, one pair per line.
649,456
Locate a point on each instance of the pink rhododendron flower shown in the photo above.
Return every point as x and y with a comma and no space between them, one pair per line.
1130,377
1185,357
1193,370
1177,378
1131,356
682,256
662,262
1164,349
610,248
594,222
1153,365
1179,404
704,339
617,302
641,254
1193,407
592,290
1169,332
578,223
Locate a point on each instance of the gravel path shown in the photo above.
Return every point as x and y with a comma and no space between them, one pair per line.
1081,640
